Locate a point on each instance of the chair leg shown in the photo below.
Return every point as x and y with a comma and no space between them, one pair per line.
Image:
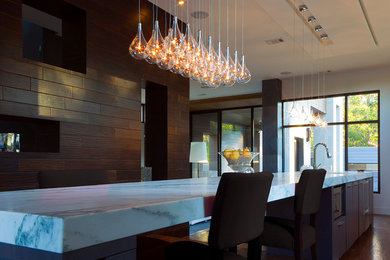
298,253
254,249
233,249
298,250
314,252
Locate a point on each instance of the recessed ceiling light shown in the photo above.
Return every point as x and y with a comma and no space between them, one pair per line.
303,8
311,19
181,2
200,14
324,36
274,41
318,28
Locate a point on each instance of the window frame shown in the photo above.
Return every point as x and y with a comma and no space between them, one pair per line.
219,123
346,123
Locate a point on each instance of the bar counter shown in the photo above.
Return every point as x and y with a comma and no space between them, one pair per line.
66,219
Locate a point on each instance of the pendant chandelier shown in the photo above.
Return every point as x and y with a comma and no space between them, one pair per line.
193,58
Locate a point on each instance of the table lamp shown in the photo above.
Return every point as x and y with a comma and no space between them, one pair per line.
198,154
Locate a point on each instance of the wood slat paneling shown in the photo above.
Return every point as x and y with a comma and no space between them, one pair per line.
99,112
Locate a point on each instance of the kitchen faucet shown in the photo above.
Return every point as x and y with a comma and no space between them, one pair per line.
315,154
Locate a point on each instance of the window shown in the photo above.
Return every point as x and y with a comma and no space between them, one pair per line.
258,138
363,134
236,132
227,129
205,129
351,134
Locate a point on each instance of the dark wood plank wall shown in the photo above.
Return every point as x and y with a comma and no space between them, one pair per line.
99,112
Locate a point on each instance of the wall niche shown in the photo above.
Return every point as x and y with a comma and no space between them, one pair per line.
54,32
35,135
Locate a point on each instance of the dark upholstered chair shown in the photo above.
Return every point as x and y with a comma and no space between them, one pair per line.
237,217
56,179
294,234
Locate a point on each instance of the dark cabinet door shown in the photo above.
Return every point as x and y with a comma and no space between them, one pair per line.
355,211
349,213
371,201
364,206
352,212
339,237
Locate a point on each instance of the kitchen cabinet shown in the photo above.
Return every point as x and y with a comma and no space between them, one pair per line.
339,237
352,212
357,209
364,205
371,201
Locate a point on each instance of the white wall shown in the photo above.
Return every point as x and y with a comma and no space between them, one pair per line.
355,81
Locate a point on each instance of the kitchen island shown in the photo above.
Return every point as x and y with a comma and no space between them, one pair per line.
63,222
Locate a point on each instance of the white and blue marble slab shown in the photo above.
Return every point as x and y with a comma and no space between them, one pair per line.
65,219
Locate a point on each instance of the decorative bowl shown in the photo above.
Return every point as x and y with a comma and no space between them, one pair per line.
239,161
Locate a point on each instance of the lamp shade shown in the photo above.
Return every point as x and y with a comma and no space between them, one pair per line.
198,152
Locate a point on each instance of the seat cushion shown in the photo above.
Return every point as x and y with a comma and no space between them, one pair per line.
279,232
195,251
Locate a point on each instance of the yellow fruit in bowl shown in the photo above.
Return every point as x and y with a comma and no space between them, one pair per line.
235,155
247,154
227,153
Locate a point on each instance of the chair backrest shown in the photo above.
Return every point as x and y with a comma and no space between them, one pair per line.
308,192
239,209
56,179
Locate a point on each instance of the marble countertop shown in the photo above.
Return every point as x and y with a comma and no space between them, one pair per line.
66,219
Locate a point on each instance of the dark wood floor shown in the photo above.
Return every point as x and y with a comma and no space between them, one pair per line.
372,245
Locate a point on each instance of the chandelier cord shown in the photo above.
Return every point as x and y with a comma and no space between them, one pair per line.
242,27
219,20
235,25
210,17
153,15
139,11
319,68
199,28
227,24
303,57
294,49
312,66
165,23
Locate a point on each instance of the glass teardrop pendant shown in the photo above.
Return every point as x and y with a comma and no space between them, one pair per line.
154,45
210,65
200,54
245,75
236,66
176,35
166,52
138,45
187,49
294,114
228,76
211,56
220,62
175,44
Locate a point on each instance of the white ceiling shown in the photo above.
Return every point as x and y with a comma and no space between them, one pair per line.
352,48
